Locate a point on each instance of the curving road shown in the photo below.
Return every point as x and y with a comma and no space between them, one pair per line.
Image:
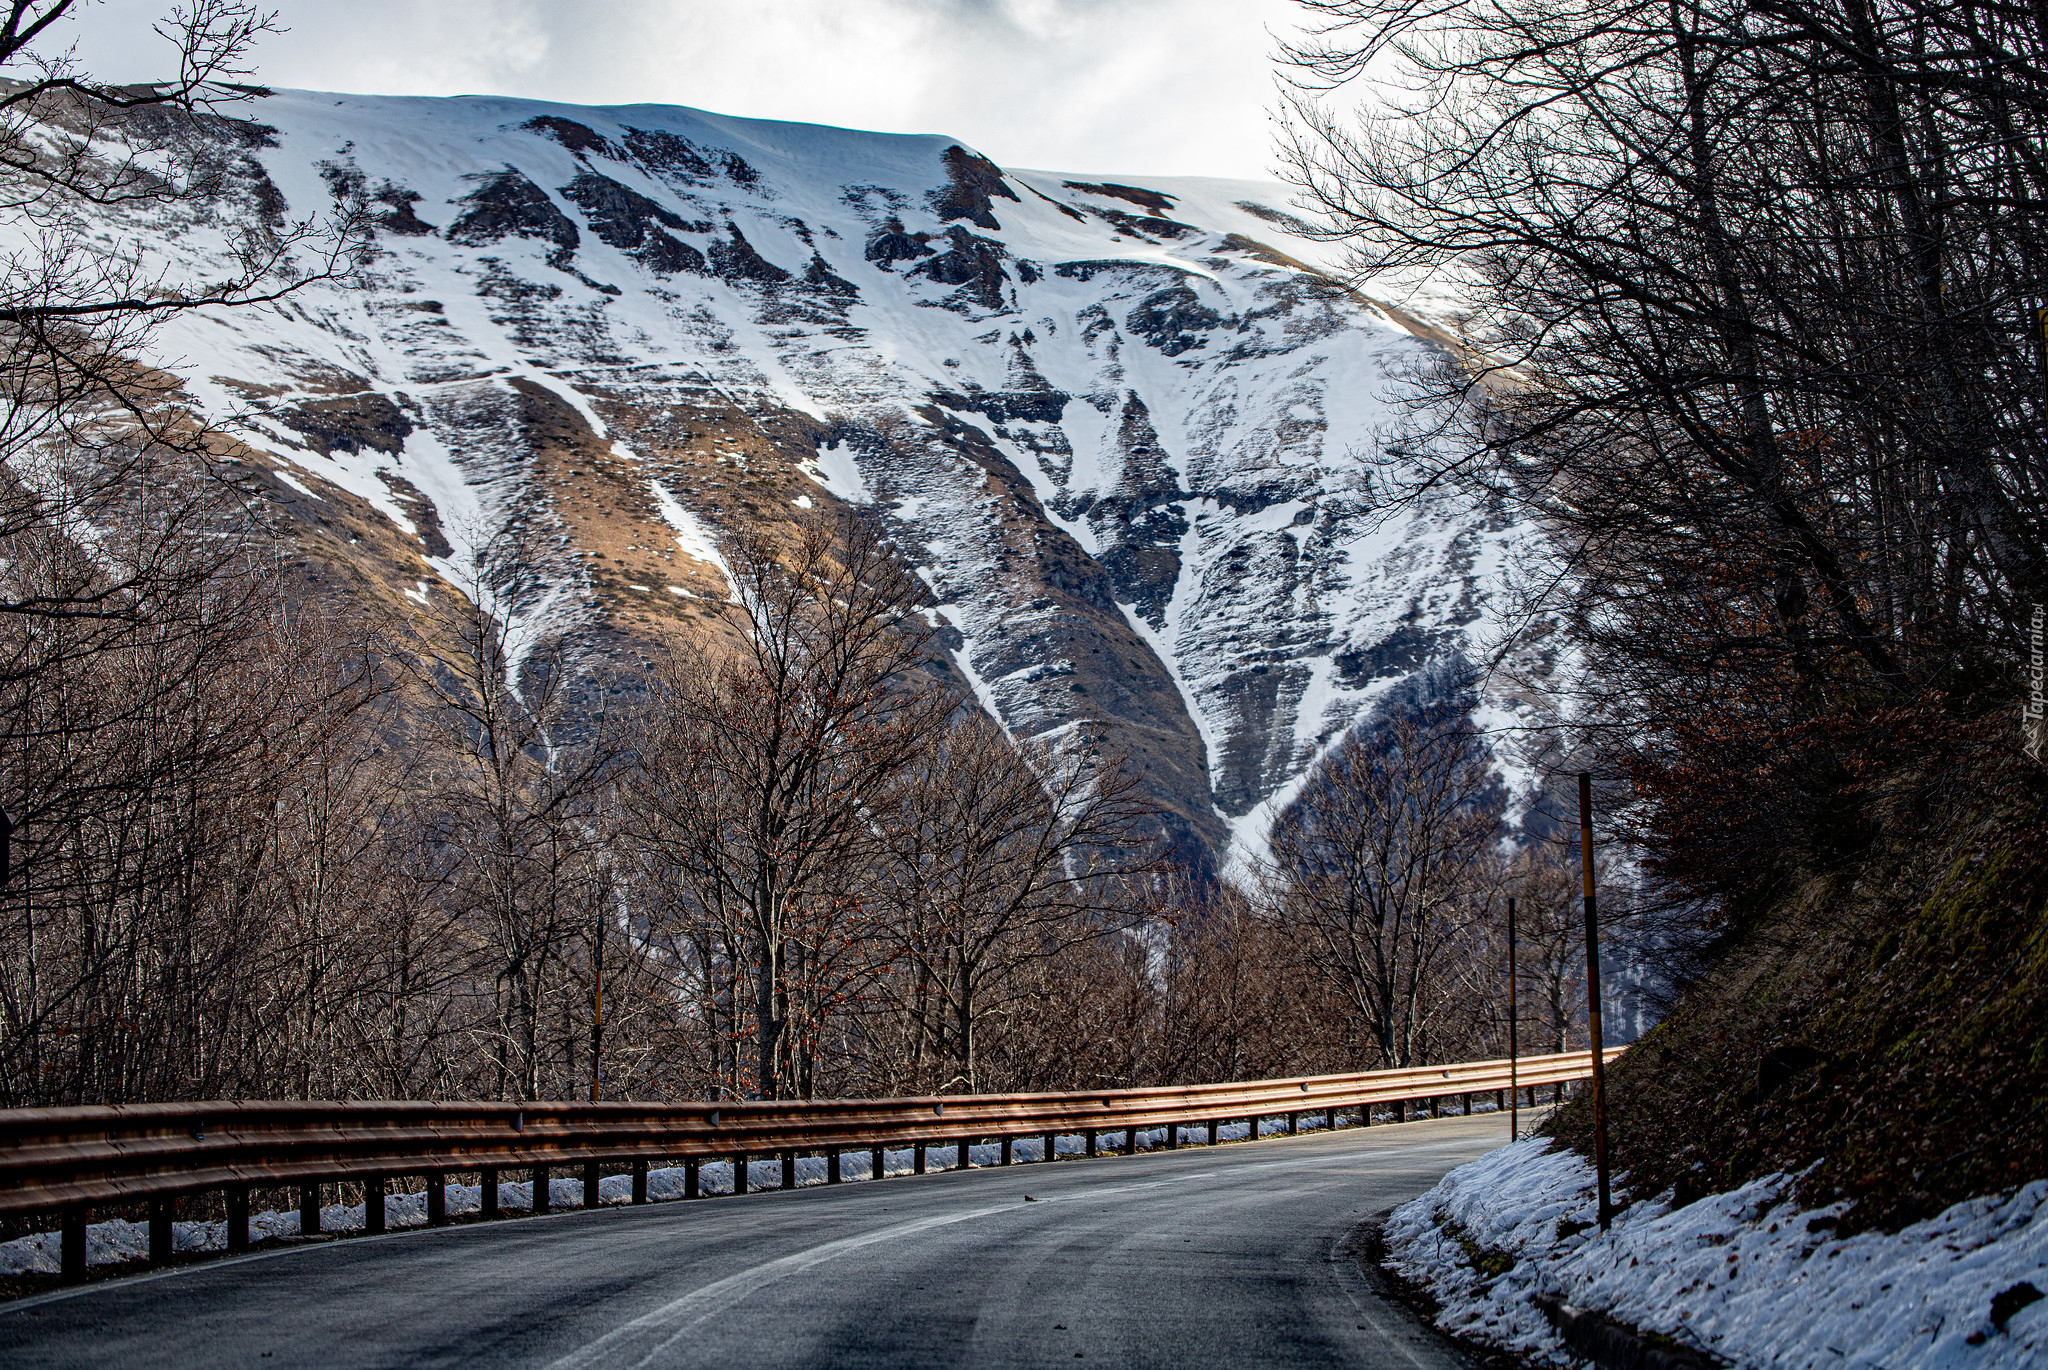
1226,1257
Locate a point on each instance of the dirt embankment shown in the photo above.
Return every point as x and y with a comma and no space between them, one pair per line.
1886,1026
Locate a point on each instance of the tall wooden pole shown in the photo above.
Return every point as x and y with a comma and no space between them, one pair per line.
1593,995
597,1009
1514,1092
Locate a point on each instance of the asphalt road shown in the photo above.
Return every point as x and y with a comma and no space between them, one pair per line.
1226,1257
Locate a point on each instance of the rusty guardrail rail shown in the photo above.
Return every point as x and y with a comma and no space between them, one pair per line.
74,1159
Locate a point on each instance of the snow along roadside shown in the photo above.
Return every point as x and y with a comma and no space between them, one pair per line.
1747,1276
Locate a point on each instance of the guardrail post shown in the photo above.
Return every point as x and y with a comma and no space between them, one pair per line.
437,1199
162,1239
1466,1099
1251,1128
1400,1110
832,1166
961,1157
690,1164
1051,1143
1293,1124
1173,1136
71,1244
541,1197
238,1218
309,1210
487,1200
739,1174
1006,1151
592,1184
917,1158
1091,1141
1212,1131
878,1163
373,1204
639,1182
789,1170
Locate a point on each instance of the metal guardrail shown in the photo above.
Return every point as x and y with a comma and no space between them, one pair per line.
74,1159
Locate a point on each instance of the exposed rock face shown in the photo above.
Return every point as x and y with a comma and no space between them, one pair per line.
892,244
506,203
974,182
368,422
624,218
1174,320
974,264
1123,448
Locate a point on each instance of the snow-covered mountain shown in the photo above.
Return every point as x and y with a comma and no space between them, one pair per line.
1119,422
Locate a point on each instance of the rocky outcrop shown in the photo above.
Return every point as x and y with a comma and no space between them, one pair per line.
506,204
893,244
973,182
974,264
1174,320
734,258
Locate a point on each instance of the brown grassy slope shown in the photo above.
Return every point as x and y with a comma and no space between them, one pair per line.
1887,1026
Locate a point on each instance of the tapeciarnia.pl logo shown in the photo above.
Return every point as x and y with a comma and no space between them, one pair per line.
2034,713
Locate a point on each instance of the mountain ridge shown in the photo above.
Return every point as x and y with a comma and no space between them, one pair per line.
1117,422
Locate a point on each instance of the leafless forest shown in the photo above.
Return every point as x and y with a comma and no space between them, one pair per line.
271,844
1750,339
268,850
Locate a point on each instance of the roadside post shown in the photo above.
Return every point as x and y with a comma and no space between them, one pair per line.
1593,995
1514,1094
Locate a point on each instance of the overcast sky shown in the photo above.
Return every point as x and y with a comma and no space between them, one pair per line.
1167,87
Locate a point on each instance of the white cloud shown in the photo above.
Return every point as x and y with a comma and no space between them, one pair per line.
1154,86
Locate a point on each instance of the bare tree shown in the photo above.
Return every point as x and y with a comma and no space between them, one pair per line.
1746,283
994,854
515,790
1237,1000
86,420
768,751
1373,867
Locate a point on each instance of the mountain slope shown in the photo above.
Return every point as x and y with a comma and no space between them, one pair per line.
1118,425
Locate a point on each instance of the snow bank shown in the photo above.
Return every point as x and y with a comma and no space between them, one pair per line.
1747,1276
